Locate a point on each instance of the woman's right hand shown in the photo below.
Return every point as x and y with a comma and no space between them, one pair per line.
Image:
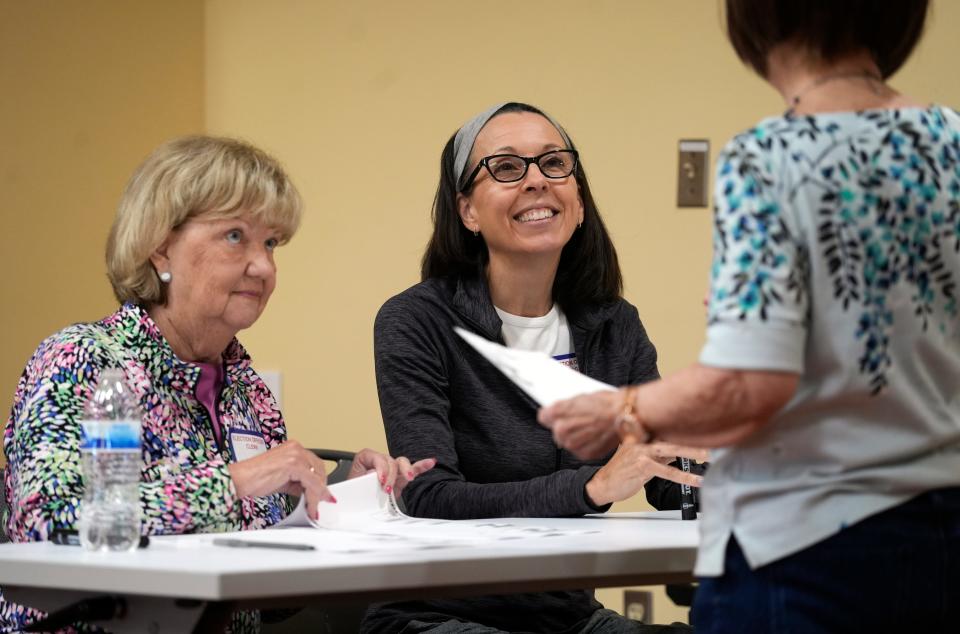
394,473
634,464
288,468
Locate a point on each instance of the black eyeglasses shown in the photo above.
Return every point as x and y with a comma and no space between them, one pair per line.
509,168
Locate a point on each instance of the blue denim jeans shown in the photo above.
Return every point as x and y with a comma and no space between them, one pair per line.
898,571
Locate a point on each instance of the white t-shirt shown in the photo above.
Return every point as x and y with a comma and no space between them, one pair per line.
549,334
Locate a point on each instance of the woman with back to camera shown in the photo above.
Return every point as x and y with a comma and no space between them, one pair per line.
832,364
191,258
519,254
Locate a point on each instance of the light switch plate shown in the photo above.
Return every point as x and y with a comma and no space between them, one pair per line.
692,172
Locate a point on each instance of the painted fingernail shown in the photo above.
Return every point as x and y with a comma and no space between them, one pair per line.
333,499
383,479
410,475
389,489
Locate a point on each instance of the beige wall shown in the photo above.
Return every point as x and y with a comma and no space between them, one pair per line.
357,98
87,89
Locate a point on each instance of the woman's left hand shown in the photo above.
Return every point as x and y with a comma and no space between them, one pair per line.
634,464
394,473
584,424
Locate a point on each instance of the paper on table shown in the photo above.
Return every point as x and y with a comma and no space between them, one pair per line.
358,501
537,374
368,520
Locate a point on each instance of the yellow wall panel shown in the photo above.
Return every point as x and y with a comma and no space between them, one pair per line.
358,98
87,89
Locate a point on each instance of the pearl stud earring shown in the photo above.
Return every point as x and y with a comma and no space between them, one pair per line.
165,277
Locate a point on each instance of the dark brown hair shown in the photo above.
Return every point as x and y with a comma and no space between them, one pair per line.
589,271
888,29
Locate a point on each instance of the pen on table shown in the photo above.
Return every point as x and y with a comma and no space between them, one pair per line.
68,537
688,506
250,543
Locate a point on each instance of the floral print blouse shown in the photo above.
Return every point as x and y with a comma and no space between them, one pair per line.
836,257
185,484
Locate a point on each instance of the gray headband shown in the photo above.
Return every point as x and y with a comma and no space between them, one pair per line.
467,136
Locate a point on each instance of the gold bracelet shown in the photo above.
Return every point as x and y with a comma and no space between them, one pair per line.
627,422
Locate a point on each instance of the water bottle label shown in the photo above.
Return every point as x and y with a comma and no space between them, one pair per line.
110,434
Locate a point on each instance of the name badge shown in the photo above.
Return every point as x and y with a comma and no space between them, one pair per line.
246,444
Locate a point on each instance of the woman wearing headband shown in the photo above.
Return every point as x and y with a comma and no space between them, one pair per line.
518,255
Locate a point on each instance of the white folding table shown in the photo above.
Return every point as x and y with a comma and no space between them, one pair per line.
169,586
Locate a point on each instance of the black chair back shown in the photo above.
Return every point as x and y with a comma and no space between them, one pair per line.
344,460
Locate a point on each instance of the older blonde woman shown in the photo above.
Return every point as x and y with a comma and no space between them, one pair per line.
190,257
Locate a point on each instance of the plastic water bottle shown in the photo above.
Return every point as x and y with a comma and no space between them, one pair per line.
110,460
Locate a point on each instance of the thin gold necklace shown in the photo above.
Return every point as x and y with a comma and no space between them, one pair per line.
871,77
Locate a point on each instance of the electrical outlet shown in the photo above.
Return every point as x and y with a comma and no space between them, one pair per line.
692,161
638,605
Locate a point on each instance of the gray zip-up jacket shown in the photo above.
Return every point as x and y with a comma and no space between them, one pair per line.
439,398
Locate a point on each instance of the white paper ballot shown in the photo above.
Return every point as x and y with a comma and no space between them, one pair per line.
537,374
359,501
365,519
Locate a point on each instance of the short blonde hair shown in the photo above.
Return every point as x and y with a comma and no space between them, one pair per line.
186,178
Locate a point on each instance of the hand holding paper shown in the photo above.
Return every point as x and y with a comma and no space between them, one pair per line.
548,382
394,473
359,500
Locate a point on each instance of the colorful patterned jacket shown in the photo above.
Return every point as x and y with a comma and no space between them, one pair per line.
185,484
